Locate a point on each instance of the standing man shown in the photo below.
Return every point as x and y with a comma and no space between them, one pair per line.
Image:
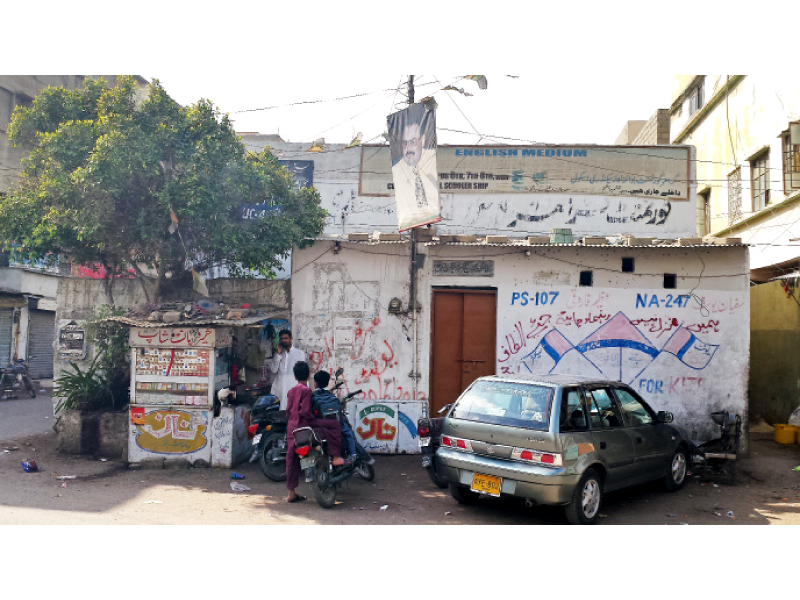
286,356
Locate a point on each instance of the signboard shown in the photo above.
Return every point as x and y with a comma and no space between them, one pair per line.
172,337
387,427
169,432
661,172
412,143
71,339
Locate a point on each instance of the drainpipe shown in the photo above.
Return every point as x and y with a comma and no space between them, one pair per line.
412,306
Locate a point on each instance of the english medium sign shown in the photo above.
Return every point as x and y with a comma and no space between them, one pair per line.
628,171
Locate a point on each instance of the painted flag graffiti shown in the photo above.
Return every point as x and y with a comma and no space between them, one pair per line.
689,350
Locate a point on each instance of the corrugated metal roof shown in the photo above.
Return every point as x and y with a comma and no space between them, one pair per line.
793,275
581,245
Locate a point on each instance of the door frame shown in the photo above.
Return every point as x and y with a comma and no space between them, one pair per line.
486,290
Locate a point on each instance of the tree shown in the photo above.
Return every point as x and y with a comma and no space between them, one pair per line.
129,180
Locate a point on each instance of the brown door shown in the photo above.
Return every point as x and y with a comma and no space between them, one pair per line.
463,343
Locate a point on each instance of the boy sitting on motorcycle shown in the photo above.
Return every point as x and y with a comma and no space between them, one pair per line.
326,406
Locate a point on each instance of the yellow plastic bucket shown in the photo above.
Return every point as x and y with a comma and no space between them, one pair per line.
798,434
785,434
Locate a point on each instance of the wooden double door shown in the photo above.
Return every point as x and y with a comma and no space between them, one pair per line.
463,341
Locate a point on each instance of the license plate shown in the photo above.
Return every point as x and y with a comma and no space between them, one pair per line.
307,463
486,484
424,441
256,439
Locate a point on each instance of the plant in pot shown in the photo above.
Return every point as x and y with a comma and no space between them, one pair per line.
83,390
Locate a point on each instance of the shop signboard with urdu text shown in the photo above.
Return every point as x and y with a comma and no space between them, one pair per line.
661,172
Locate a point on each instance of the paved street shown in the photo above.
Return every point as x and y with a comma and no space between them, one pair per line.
105,492
24,416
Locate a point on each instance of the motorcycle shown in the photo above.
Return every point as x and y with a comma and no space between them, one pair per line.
429,431
268,428
317,465
15,378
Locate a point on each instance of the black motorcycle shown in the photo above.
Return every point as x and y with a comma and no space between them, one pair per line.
429,431
316,462
268,427
15,378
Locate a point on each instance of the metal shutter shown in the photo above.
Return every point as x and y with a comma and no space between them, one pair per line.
6,319
41,335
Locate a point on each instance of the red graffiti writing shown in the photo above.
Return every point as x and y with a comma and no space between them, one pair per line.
683,382
378,368
378,428
712,325
657,324
565,318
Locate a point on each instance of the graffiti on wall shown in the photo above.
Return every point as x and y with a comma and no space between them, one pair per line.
172,431
371,363
668,334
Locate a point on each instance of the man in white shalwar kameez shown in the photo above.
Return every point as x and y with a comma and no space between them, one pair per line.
286,356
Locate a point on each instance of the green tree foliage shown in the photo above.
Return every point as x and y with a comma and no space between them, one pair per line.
109,166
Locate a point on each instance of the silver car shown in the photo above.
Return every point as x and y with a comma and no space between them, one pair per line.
558,440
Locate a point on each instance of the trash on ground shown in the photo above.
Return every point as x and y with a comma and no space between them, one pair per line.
239,487
671,516
715,485
384,507
731,515
718,514
153,502
448,513
797,468
63,477
42,391
29,466
10,448
103,459
236,476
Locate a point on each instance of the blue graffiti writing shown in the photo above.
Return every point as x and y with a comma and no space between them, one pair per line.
536,299
671,301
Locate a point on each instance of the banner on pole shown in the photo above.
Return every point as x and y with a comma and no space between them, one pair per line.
412,141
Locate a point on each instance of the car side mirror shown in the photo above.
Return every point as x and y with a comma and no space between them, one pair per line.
445,408
664,416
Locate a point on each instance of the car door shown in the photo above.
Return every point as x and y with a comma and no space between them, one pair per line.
650,440
613,444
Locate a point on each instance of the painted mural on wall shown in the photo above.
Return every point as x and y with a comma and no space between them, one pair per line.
659,343
171,431
386,427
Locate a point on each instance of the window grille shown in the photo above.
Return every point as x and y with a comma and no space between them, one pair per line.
735,196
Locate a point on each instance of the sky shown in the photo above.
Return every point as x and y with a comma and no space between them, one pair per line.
525,108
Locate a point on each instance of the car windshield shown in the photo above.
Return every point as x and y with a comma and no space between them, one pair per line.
506,403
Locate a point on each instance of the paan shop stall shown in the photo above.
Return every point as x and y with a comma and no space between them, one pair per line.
176,372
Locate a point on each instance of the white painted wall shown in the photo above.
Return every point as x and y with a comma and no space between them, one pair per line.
336,176
359,282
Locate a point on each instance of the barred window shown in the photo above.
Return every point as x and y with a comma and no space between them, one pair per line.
735,196
759,180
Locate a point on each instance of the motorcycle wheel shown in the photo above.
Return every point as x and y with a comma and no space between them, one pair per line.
436,478
324,492
31,387
365,471
276,471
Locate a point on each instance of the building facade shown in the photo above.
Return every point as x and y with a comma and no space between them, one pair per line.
746,131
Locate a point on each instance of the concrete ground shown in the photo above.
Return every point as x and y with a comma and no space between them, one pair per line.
86,490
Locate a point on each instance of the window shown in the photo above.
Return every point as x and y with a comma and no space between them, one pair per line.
735,196
705,204
573,415
585,279
506,403
670,281
791,160
627,265
603,410
696,99
759,181
634,411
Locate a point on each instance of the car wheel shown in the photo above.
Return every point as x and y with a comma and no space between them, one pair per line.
586,500
676,475
462,495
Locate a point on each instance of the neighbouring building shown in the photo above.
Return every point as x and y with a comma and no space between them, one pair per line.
634,297
746,131
28,290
